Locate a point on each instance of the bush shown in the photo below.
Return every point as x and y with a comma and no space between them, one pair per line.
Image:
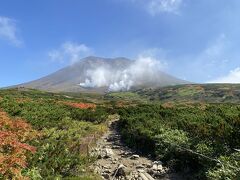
193,136
168,142
227,169
14,150
63,130
59,153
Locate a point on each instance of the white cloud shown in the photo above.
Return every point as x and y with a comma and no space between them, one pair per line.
158,6
154,53
232,77
70,52
155,7
8,30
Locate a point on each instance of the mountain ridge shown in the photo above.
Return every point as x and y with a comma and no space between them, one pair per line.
68,79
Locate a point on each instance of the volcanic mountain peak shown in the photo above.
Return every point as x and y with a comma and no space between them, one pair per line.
98,74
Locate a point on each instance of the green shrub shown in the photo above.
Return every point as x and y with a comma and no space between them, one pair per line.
227,169
193,136
169,141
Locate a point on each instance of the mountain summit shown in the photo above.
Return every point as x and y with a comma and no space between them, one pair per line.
98,74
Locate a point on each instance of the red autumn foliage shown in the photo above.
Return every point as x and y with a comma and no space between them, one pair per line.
81,105
13,149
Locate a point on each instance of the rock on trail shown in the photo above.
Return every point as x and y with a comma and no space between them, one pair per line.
118,162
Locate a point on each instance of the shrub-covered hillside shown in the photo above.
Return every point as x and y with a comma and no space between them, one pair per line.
63,129
201,139
217,93
194,129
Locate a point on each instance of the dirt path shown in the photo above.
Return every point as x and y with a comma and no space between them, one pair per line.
116,161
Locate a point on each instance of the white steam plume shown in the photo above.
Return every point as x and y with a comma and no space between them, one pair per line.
143,70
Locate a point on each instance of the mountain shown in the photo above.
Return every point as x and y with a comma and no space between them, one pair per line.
97,74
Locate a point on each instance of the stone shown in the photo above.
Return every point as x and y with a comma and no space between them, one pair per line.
158,174
158,162
97,170
148,176
107,171
115,147
150,171
160,167
140,166
148,165
109,139
99,156
135,156
141,170
136,175
107,153
105,176
120,171
107,167
143,176
129,177
157,166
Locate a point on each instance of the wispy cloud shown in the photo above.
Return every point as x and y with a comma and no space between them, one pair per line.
158,6
9,30
232,77
70,52
206,64
214,54
155,7
154,54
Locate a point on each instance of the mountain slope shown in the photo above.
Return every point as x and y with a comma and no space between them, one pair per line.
69,78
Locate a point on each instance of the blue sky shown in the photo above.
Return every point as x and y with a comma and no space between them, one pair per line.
197,40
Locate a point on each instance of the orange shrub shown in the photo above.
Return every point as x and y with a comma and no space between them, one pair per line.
81,105
168,105
22,100
13,149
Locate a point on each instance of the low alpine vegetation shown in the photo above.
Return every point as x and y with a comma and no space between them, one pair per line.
204,139
53,140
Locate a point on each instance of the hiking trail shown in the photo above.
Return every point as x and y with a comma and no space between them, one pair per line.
118,162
